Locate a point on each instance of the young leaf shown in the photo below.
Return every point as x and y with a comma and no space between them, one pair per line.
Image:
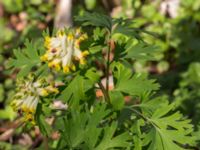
92,75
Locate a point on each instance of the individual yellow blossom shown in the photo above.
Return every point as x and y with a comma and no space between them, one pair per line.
63,49
29,92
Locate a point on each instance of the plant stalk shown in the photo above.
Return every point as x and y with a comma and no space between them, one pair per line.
108,66
105,92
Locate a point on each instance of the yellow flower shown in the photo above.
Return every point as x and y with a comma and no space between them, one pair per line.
28,94
43,92
63,49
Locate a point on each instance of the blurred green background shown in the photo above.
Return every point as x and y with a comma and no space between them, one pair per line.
175,22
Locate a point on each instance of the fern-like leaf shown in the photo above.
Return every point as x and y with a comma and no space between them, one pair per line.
135,85
26,58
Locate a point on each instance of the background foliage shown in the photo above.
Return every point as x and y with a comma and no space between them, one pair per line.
176,67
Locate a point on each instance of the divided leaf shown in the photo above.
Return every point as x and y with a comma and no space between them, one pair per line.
111,141
92,75
123,29
116,100
85,130
134,85
140,51
95,19
75,91
169,131
26,58
125,26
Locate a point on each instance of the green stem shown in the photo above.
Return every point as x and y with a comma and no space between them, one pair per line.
108,66
138,113
144,117
105,92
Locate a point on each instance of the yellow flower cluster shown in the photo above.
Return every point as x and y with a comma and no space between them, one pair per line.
28,93
63,49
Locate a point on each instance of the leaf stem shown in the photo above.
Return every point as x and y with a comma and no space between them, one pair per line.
143,117
138,113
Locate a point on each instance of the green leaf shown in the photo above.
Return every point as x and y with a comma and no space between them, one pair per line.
93,130
140,51
44,127
7,113
137,134
135,85
92,75
99,34
11,146
26,58
116,99
85,130
95,19
148,107
13,6
109,141
127,32
90,4
36,2
75,91
95,49
168,131
165,129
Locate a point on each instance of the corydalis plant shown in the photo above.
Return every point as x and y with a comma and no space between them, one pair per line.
129,116
28,93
